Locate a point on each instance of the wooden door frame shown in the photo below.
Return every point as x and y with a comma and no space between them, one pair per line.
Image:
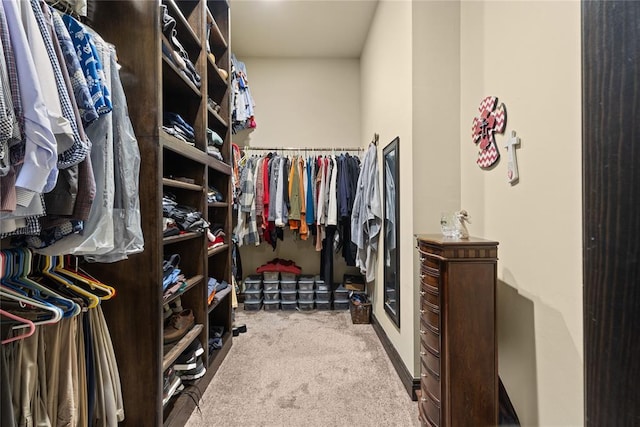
611,211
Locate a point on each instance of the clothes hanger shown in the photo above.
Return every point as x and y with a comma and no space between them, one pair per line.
26,302
48,263
107,292
18,267
27,323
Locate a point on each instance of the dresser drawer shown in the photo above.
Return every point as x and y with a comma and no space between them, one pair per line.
430,386
430,339
430,361
431,316
430,296
429,279
430,410
428,260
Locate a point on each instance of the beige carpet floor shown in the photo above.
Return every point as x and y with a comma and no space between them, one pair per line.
305,369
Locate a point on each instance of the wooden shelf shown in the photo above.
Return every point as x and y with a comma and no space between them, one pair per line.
217,79
183,27
218,205
180,346
216,39
179,184
219,249
180,238
215,303
218,117
218,165
177,146
174,77
193,281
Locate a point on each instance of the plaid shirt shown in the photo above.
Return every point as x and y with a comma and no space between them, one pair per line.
247,230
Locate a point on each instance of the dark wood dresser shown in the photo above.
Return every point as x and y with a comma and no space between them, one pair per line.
458,341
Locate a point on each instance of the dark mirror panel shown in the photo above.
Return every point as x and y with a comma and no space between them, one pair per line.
391,209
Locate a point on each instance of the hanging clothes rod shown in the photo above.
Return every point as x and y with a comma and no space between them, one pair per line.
302,149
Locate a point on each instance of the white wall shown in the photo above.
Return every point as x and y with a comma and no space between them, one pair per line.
301,103
528,54
386,75
304,102
436,130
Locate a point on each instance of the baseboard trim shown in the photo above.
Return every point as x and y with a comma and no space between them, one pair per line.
410,384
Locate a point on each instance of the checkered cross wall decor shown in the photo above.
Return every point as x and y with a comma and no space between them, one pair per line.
492,120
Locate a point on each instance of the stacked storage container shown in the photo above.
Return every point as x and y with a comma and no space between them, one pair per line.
340,298
288,292
253,292
305,293
322,293
271,284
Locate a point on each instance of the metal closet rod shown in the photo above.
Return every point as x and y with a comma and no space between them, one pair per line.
303,149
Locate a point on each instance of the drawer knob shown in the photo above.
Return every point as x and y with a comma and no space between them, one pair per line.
422,293
423,353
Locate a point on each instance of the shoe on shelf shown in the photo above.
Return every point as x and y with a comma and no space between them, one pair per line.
188,359
179,325
195,373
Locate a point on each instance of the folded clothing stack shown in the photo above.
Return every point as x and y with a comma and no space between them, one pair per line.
175,125
217,289
185,217
214,195
173,50
215,235
281,266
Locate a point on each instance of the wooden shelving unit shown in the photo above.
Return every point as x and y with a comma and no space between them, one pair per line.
154,85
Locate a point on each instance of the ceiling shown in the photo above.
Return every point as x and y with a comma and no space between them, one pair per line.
300,28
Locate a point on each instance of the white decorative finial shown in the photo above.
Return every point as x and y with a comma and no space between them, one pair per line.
512,164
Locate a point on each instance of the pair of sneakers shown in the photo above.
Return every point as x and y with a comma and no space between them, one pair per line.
189,365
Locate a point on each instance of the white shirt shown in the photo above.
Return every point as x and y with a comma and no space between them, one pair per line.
39,171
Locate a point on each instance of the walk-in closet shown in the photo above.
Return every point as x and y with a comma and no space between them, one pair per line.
312,213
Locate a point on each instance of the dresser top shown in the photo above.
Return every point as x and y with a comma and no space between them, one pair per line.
440,240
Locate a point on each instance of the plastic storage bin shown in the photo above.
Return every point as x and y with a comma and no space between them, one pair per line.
271,285
305,296
252,283
288,285
305,305
341,304
289,305
272,305
323,295
340,293
253,296
306,283
271,275
287,276
253,305
288,295
320,285
273,295
323,305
